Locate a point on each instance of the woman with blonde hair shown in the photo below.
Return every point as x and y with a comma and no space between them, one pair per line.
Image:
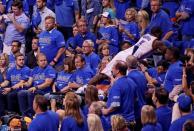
149,119
94,123
73,119
118,123
4,62
143,21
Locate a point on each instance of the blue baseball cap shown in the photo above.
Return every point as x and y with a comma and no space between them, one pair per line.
184,101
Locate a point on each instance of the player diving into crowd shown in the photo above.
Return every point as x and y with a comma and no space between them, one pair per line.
143,48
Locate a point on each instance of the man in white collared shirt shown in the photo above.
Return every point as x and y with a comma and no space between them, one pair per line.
39,14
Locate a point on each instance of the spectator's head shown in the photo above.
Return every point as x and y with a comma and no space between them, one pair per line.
106,18
184,103
20,60
118,123
143,19
95,108
106,3
105,60
125,45
79,61
155,5
75,29
4,60
162,66
40,104
87,47
160,97
72,107
148,115
82,26
41,4
17,7
130,14
15,46
69,65
103,50
172,54
132,62
49,23
157,32
94,123
41,60
91,95
188,125
119,69
35,41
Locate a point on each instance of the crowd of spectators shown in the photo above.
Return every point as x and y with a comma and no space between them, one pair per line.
97,65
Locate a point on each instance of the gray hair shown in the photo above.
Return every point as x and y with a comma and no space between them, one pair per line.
132,62
90,42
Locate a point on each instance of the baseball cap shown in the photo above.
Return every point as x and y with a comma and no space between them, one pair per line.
184,101
106,14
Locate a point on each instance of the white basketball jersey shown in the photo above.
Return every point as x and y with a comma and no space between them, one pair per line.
141,48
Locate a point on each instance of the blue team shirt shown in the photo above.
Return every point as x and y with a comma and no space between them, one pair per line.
173,76
177,125
70,124
121,7
152,127
62,80
79,39
164,115
110,33
187,25
12,60
15,75
92,60
141,87
121,95
159,77
82,76
172,7
162,20
132,28
106,126
50,42
39,75
46,121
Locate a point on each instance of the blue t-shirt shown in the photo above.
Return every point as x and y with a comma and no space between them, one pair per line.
50,42
11,60
39,75
70,124
15,75
164,115
177,125
62,80
159,77
82,76
110,33
173,76
152,127
92,60
120,95
187,24
106,126
141,87
65,15
162,20
172,7
121,7
79,39
132,28
46,121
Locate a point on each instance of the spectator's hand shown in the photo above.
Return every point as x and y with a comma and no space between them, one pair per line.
6,91
37,30
65,89
11,17
98,41
73,85
32,89
183,16
78,49
52,63
142,67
